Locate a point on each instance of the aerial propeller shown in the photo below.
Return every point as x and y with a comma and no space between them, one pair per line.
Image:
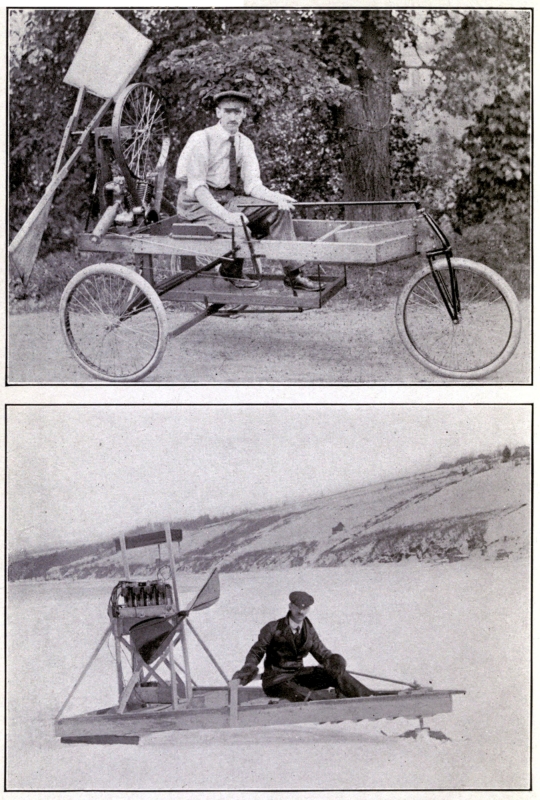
151,637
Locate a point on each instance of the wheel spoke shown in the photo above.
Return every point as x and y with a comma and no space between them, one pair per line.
477,339
141,111
106,344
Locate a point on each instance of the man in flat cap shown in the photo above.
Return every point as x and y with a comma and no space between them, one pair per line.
285,643
218,170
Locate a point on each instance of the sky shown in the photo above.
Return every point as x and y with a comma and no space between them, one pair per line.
85,473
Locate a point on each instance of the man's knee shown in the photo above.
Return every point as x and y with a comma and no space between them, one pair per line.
335,665
261,222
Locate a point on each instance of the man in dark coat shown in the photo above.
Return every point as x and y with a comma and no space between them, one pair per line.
285,643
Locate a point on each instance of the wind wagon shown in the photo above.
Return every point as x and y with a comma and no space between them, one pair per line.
158,691
458,318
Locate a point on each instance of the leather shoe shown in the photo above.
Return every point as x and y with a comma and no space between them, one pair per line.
302,282
238,281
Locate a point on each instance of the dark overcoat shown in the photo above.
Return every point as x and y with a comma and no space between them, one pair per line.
283,651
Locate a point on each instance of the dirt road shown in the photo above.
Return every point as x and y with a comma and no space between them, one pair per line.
333,345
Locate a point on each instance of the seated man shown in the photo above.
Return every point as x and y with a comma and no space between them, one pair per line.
218,170
285,643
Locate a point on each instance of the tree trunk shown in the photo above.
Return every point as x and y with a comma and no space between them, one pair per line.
366,125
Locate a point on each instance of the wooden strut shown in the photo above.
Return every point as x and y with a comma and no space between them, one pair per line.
124,556
131,684
207,651
150,668
182,630
213,308
233,703
127,690
119,672
163,659
72,122
125,694
85,670
174,690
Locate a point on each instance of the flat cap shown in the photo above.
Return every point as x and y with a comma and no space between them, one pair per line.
301,599
231,94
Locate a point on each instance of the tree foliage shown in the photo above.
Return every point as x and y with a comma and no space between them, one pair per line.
293,97
487,52
322,82
482,73
498,182
39,107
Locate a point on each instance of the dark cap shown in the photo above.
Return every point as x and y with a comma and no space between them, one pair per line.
301,599
230,94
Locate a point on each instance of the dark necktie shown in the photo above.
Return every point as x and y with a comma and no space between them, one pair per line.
233,166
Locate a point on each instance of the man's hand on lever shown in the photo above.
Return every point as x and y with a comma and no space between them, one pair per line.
245,675
284,201
235,218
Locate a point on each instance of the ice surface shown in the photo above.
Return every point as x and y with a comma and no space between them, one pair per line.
454,626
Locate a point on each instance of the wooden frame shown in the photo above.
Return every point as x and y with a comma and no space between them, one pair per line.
361,244
247,707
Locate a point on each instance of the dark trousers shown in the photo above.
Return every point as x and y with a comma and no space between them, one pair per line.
304,684
265,221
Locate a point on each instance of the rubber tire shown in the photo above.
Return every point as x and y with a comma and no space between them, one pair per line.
491,276
140,283
117,124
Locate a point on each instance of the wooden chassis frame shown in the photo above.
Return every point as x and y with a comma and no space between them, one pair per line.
329,241
359,243
246,707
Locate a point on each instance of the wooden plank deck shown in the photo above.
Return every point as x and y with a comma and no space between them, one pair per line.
109,722
364,247
211,288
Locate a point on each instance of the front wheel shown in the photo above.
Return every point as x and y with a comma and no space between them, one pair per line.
484,335
113,322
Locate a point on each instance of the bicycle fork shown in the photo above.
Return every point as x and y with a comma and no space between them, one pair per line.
449,293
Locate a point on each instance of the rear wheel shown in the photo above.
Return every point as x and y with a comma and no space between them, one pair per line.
485,334
113,322
141,140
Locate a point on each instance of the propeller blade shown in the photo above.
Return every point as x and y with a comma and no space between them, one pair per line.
151,637
208,595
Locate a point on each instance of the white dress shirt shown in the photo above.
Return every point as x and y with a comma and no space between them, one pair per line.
295,626
204,161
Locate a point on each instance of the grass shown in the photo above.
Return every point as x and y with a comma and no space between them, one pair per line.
504,248
50,276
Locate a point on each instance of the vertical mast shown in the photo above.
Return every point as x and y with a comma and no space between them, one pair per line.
177,603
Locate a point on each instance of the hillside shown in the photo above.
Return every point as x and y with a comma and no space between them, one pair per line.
476,507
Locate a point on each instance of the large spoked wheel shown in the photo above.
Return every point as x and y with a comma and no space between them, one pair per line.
485,334
140,132
113,322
